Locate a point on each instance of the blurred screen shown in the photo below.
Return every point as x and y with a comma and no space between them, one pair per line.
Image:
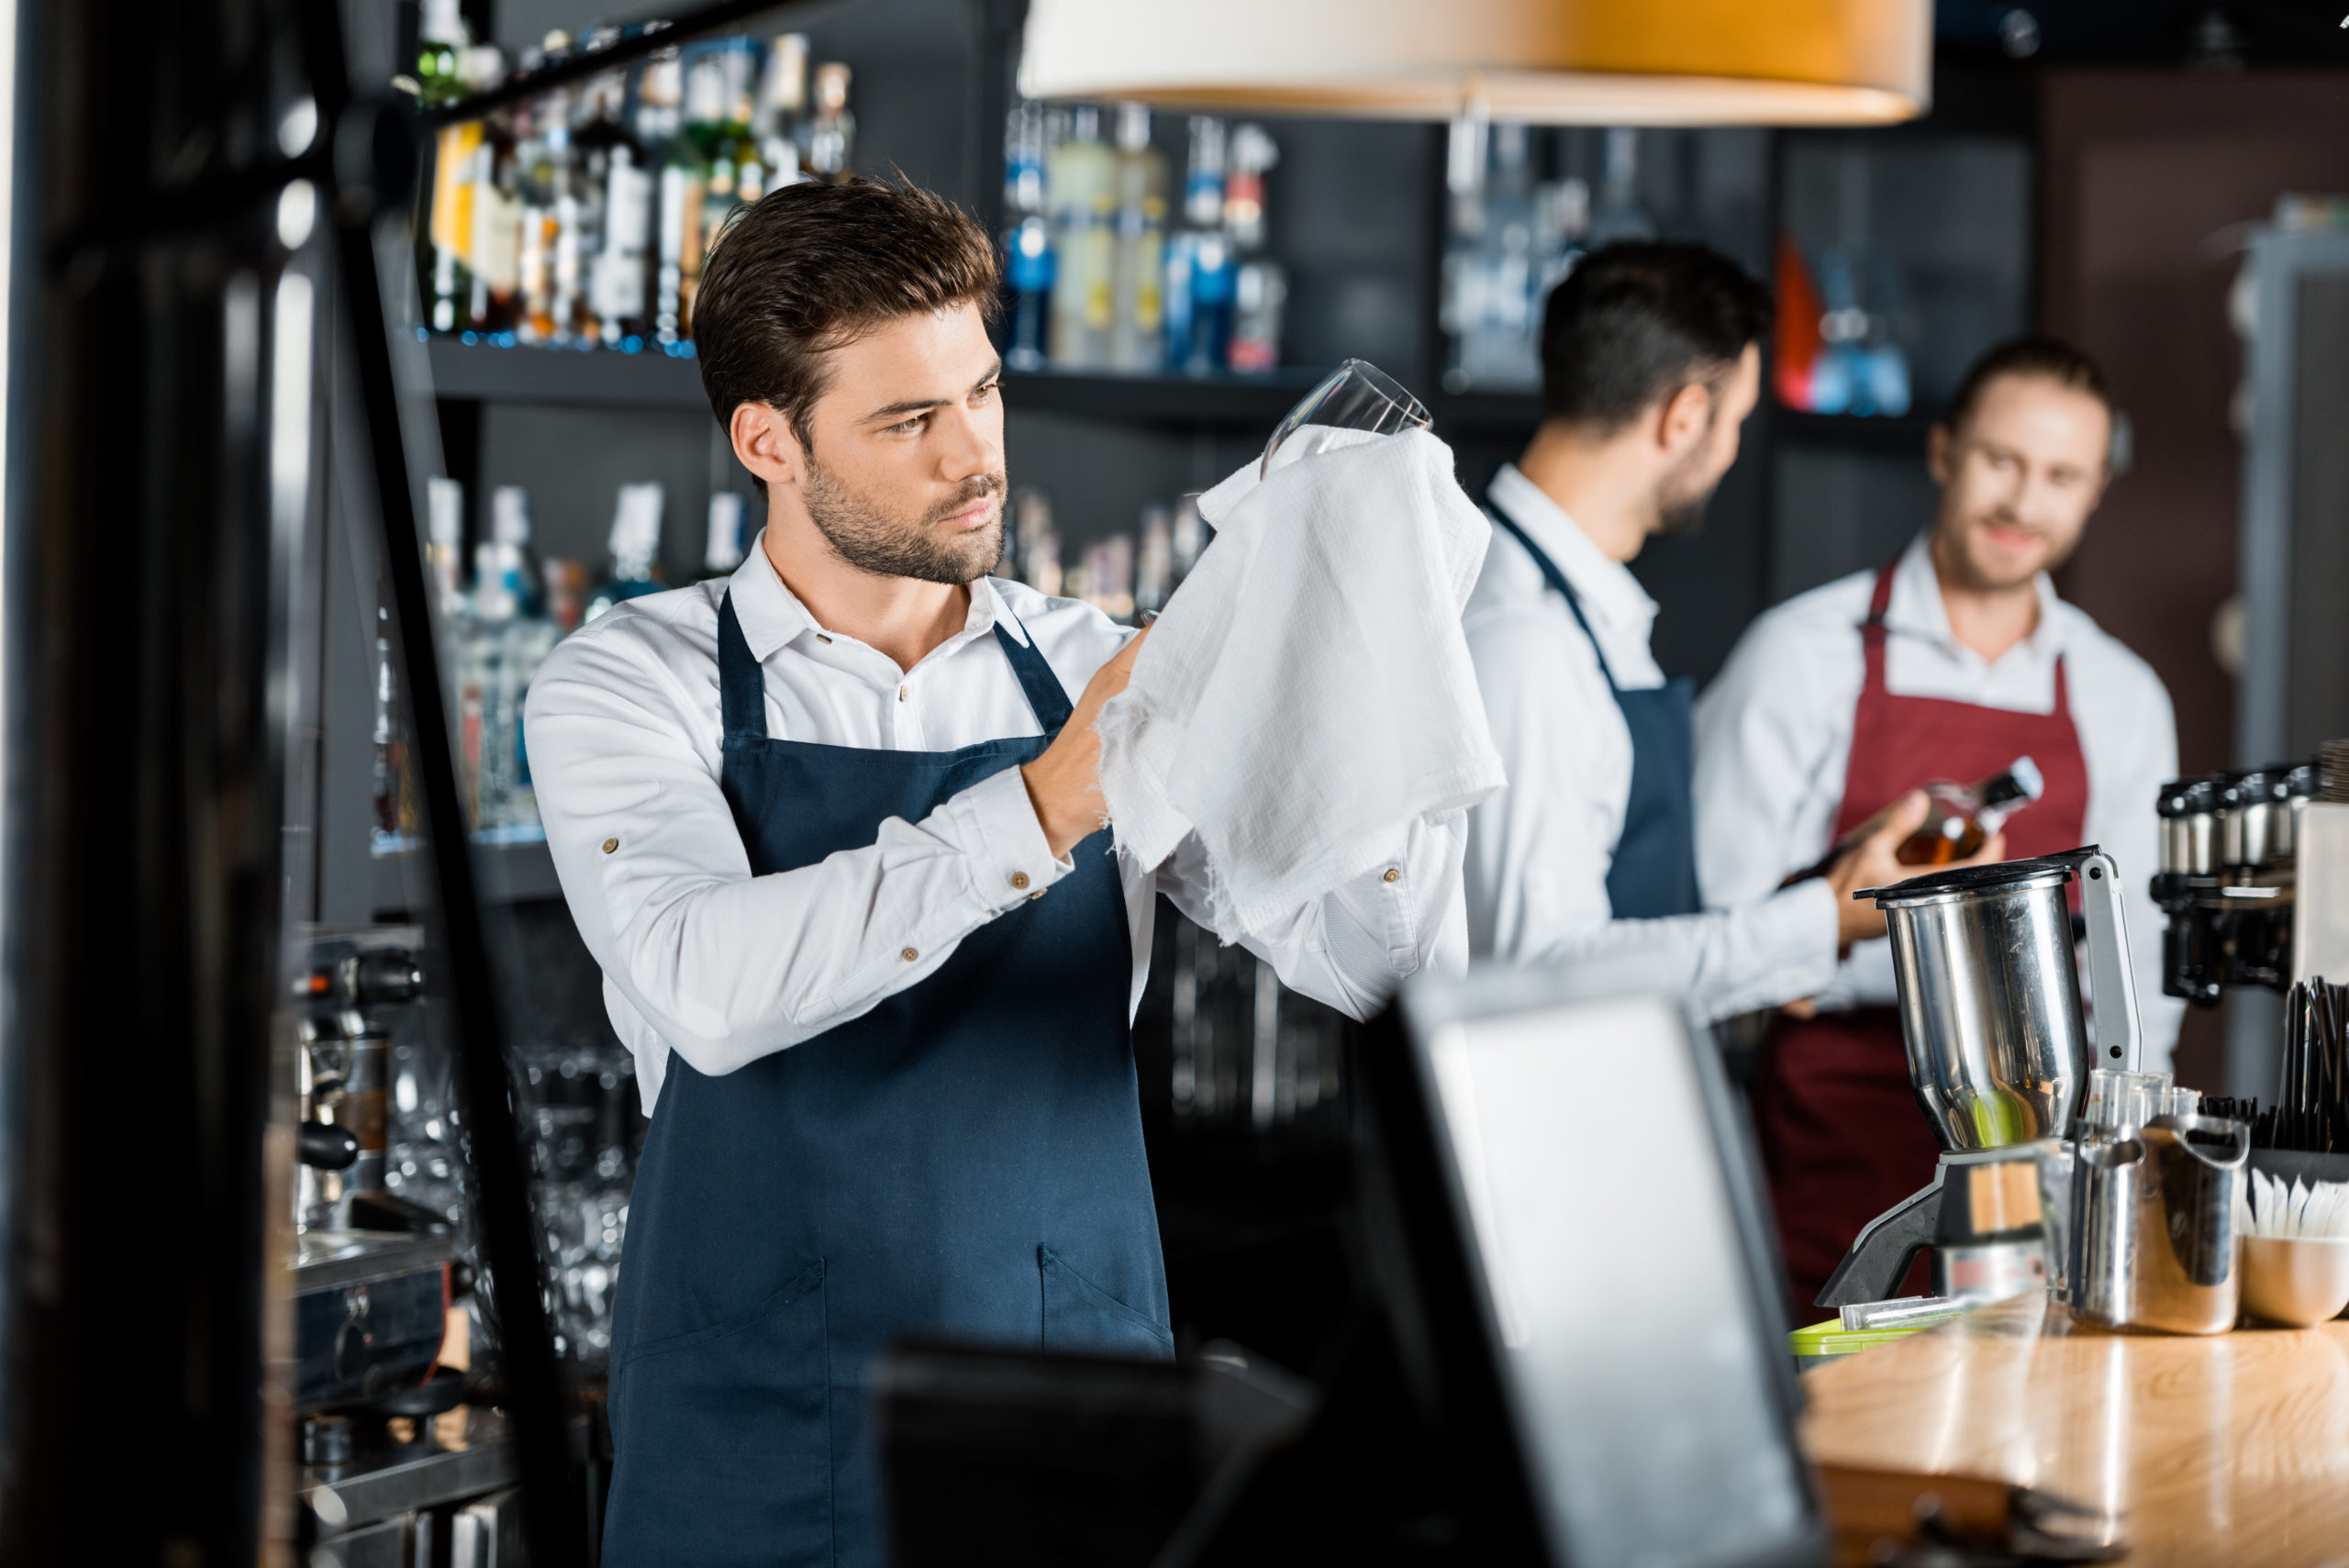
1635,1359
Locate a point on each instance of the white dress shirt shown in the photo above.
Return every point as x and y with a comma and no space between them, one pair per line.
1539,853
1774,733
702,958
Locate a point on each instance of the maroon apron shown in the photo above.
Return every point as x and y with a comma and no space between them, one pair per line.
1842,1136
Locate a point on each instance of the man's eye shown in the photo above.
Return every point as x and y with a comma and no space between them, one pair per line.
911,427
987,393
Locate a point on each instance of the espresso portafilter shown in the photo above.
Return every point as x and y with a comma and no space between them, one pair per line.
1999,1057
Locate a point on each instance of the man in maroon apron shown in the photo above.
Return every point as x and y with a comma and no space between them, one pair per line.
1949,661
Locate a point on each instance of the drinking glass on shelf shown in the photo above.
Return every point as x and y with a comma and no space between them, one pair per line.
1357,396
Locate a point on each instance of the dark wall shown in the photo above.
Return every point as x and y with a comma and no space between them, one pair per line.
2148,178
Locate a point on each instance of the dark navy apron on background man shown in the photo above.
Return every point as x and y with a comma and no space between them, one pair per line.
965,1159
1653,871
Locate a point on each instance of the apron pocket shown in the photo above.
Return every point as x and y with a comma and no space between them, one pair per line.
1081,1316
722,1442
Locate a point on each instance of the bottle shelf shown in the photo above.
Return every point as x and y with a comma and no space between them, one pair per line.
506,873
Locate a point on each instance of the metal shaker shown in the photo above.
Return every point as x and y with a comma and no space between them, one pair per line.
2153,1239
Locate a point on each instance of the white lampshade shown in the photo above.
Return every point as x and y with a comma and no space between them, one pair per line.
1544,61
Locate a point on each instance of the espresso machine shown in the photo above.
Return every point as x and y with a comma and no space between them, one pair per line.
1999,1055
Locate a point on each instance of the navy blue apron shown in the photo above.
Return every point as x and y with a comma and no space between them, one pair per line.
1653,871
965,1159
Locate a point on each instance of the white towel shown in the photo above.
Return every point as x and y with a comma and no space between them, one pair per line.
1307,691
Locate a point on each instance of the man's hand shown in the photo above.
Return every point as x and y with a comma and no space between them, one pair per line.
1064,782
1870,862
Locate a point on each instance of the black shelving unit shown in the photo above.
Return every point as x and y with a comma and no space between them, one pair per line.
1875,432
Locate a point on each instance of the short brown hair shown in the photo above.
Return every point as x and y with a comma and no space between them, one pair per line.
2037,354
811,267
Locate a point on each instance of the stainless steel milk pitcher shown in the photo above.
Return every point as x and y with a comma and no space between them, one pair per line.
1990,993
2152,1235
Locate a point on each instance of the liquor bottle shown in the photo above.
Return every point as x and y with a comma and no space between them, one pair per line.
444,542
495,246
1961,819
442,40
484,686
831,131
1154,558
1081,183
635,568
1028,239
723,552
1188,536
1260,290
616,218
781,119
1138,277
1200,272
1039,563
1253,154
542,151
717,114
660,121
1618,214
516,559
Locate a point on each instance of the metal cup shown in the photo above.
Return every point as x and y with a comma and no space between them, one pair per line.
2153,1241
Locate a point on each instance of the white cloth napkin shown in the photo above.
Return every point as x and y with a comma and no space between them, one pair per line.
1307,691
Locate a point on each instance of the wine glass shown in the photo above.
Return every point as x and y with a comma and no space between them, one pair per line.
1357,396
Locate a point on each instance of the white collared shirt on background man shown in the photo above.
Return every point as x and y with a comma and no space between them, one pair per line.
1773,734
1539,853
723,967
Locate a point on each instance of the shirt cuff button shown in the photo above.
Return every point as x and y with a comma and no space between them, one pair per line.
909,955
1393,875
1019,880
1037,894
610,844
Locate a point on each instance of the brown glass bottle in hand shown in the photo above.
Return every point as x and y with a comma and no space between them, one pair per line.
1960,818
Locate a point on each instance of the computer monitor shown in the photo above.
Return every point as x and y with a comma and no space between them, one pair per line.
1570,1226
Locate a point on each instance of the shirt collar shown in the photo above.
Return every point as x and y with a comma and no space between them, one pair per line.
772,616
1606,587
1917,608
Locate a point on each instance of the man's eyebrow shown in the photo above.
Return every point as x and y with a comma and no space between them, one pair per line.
923,404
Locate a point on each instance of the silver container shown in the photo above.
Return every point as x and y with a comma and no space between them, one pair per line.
2151,1236
1990,993
1990,1008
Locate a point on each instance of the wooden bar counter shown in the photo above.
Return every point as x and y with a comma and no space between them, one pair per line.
2231,1449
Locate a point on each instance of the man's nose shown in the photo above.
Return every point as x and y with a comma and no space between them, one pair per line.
969,447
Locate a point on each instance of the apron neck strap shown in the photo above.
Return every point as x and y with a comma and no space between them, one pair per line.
1872,629
1557,580
1046,696
742,688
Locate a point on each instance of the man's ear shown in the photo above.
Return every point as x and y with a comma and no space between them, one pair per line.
1685,417
765,444
1937,453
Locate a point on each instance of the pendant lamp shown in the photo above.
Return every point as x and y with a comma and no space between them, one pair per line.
1617,62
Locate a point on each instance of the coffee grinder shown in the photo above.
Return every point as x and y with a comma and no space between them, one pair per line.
1991,1013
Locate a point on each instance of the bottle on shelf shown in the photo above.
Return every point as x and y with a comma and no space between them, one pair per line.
442,40
831,130
722,552
780,125
635,568
495,247
1136,302
488,747
444,544
1961,819
1187,535
1618,214
1081,183
1036,545
1260,288
515,558
616,219
676,212
1026,238
1154,558
1200,269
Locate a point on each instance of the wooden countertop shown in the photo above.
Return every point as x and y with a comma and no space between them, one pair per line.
2232,1449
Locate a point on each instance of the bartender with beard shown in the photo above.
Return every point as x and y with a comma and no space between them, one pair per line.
832,829
1650,363
1949,661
